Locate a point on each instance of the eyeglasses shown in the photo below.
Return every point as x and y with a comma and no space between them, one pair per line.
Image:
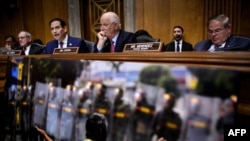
105,25
216,31
22,37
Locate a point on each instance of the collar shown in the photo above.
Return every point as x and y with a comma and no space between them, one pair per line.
65,40
28,47
115,38
180,42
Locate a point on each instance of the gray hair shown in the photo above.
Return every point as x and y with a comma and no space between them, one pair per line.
27,34
221,18
114,18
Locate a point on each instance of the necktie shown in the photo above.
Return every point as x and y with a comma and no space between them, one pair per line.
112,49
178,47
61,44
217,47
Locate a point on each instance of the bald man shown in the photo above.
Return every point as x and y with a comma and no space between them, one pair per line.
111,37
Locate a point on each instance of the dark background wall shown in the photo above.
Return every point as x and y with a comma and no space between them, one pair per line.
157,16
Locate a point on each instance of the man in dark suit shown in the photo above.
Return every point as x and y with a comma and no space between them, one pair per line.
111,38
25,42
178,45
219,30
62,39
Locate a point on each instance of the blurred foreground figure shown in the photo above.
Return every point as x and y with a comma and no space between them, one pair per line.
197,126
142,118
96,128
167,123
121,115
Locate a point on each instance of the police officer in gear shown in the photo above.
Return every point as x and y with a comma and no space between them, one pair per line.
102,104
12,102
121,115
197,126
142,118
167,123
25,113
83,110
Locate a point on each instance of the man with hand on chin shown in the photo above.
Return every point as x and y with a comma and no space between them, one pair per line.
112,38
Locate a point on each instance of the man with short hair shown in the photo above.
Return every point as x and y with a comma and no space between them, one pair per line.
219,30
25,42
10,42
178,45
59,31
112,38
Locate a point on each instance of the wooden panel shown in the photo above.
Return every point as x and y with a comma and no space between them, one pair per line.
3,67
32,16
188,14
244,28
160,16
156,16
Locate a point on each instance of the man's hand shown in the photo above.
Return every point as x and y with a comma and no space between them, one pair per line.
161,139
101,39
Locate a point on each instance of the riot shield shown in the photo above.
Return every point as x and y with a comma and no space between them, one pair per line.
53,111
67,115
102,104
143,115
83,110
12,100
25,105
121,112
40,104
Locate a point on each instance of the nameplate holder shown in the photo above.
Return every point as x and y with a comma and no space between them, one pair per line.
147,46
11,52
68,50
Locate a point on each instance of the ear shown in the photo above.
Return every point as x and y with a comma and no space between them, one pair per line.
65,29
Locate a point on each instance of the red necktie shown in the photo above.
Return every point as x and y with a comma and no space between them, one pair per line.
61,44
112,49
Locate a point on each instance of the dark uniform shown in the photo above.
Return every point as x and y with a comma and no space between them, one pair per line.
121,115
197,126
167,123
102,104
12,102
25,114
84,109
142,118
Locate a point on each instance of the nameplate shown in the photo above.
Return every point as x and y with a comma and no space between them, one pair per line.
69,50
147,46
12,52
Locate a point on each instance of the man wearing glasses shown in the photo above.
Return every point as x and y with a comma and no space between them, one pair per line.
219,30
111,37
26,45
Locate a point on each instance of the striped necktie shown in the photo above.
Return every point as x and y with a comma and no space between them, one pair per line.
112,49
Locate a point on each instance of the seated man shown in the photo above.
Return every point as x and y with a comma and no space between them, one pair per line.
25,42
143,36
219,30
178,45
62,39
111,38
